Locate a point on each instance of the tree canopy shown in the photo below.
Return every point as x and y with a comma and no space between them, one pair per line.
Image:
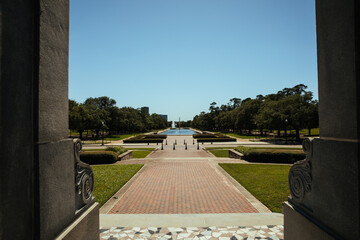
290,108
102,114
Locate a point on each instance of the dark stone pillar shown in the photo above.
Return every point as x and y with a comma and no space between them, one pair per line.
17,188
329,205
39,198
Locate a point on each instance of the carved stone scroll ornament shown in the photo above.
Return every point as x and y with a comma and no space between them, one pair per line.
84,178
300,174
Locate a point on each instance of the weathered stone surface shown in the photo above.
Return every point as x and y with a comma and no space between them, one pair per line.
338,67
335,186
37,180
333,203
126,155
298,227
53,70
16,119
235,154
85,227
57,187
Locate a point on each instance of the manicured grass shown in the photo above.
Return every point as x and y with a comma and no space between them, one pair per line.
220,153
243,136
146,149
120,137
137,152
109,179
97,149
286,148
208,148
140,154
268,183
276,148
95,141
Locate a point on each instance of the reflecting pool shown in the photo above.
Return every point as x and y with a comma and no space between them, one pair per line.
177,131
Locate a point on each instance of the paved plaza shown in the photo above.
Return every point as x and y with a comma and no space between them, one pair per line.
269,232
180,182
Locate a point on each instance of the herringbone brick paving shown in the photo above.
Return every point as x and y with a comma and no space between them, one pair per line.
182,187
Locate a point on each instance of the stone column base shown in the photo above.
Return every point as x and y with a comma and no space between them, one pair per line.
86,226
297,226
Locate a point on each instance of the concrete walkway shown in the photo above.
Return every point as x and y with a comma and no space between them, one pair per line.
183,188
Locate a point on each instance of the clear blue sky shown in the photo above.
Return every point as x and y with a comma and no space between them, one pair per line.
178,56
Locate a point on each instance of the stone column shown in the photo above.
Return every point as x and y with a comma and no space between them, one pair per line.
324,202
39,194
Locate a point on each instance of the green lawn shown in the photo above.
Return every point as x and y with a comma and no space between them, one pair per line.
220,153
243,136
277,148
95,141
146,149
219,148
268,183
120,137
140,154
109,179
137,152
224,152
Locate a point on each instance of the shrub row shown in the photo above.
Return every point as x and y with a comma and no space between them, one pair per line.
154,140
207,135
118,149
216,140
99,157
162,136
271,156
150,138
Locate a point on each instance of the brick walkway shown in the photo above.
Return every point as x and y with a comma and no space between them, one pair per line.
190,152
182,186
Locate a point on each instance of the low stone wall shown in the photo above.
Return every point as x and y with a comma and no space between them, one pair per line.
235,154
126,155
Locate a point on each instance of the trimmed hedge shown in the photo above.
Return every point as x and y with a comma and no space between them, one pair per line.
99,157
154,140
150,138
271,156
162,136
207,135
216,140
118,149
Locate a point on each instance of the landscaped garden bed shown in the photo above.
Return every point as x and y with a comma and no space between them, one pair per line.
271,155
107,156
213,138
147,138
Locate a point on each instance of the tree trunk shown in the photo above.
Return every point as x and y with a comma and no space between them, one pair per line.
81,133
278,133
297,135
309,131
261,131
